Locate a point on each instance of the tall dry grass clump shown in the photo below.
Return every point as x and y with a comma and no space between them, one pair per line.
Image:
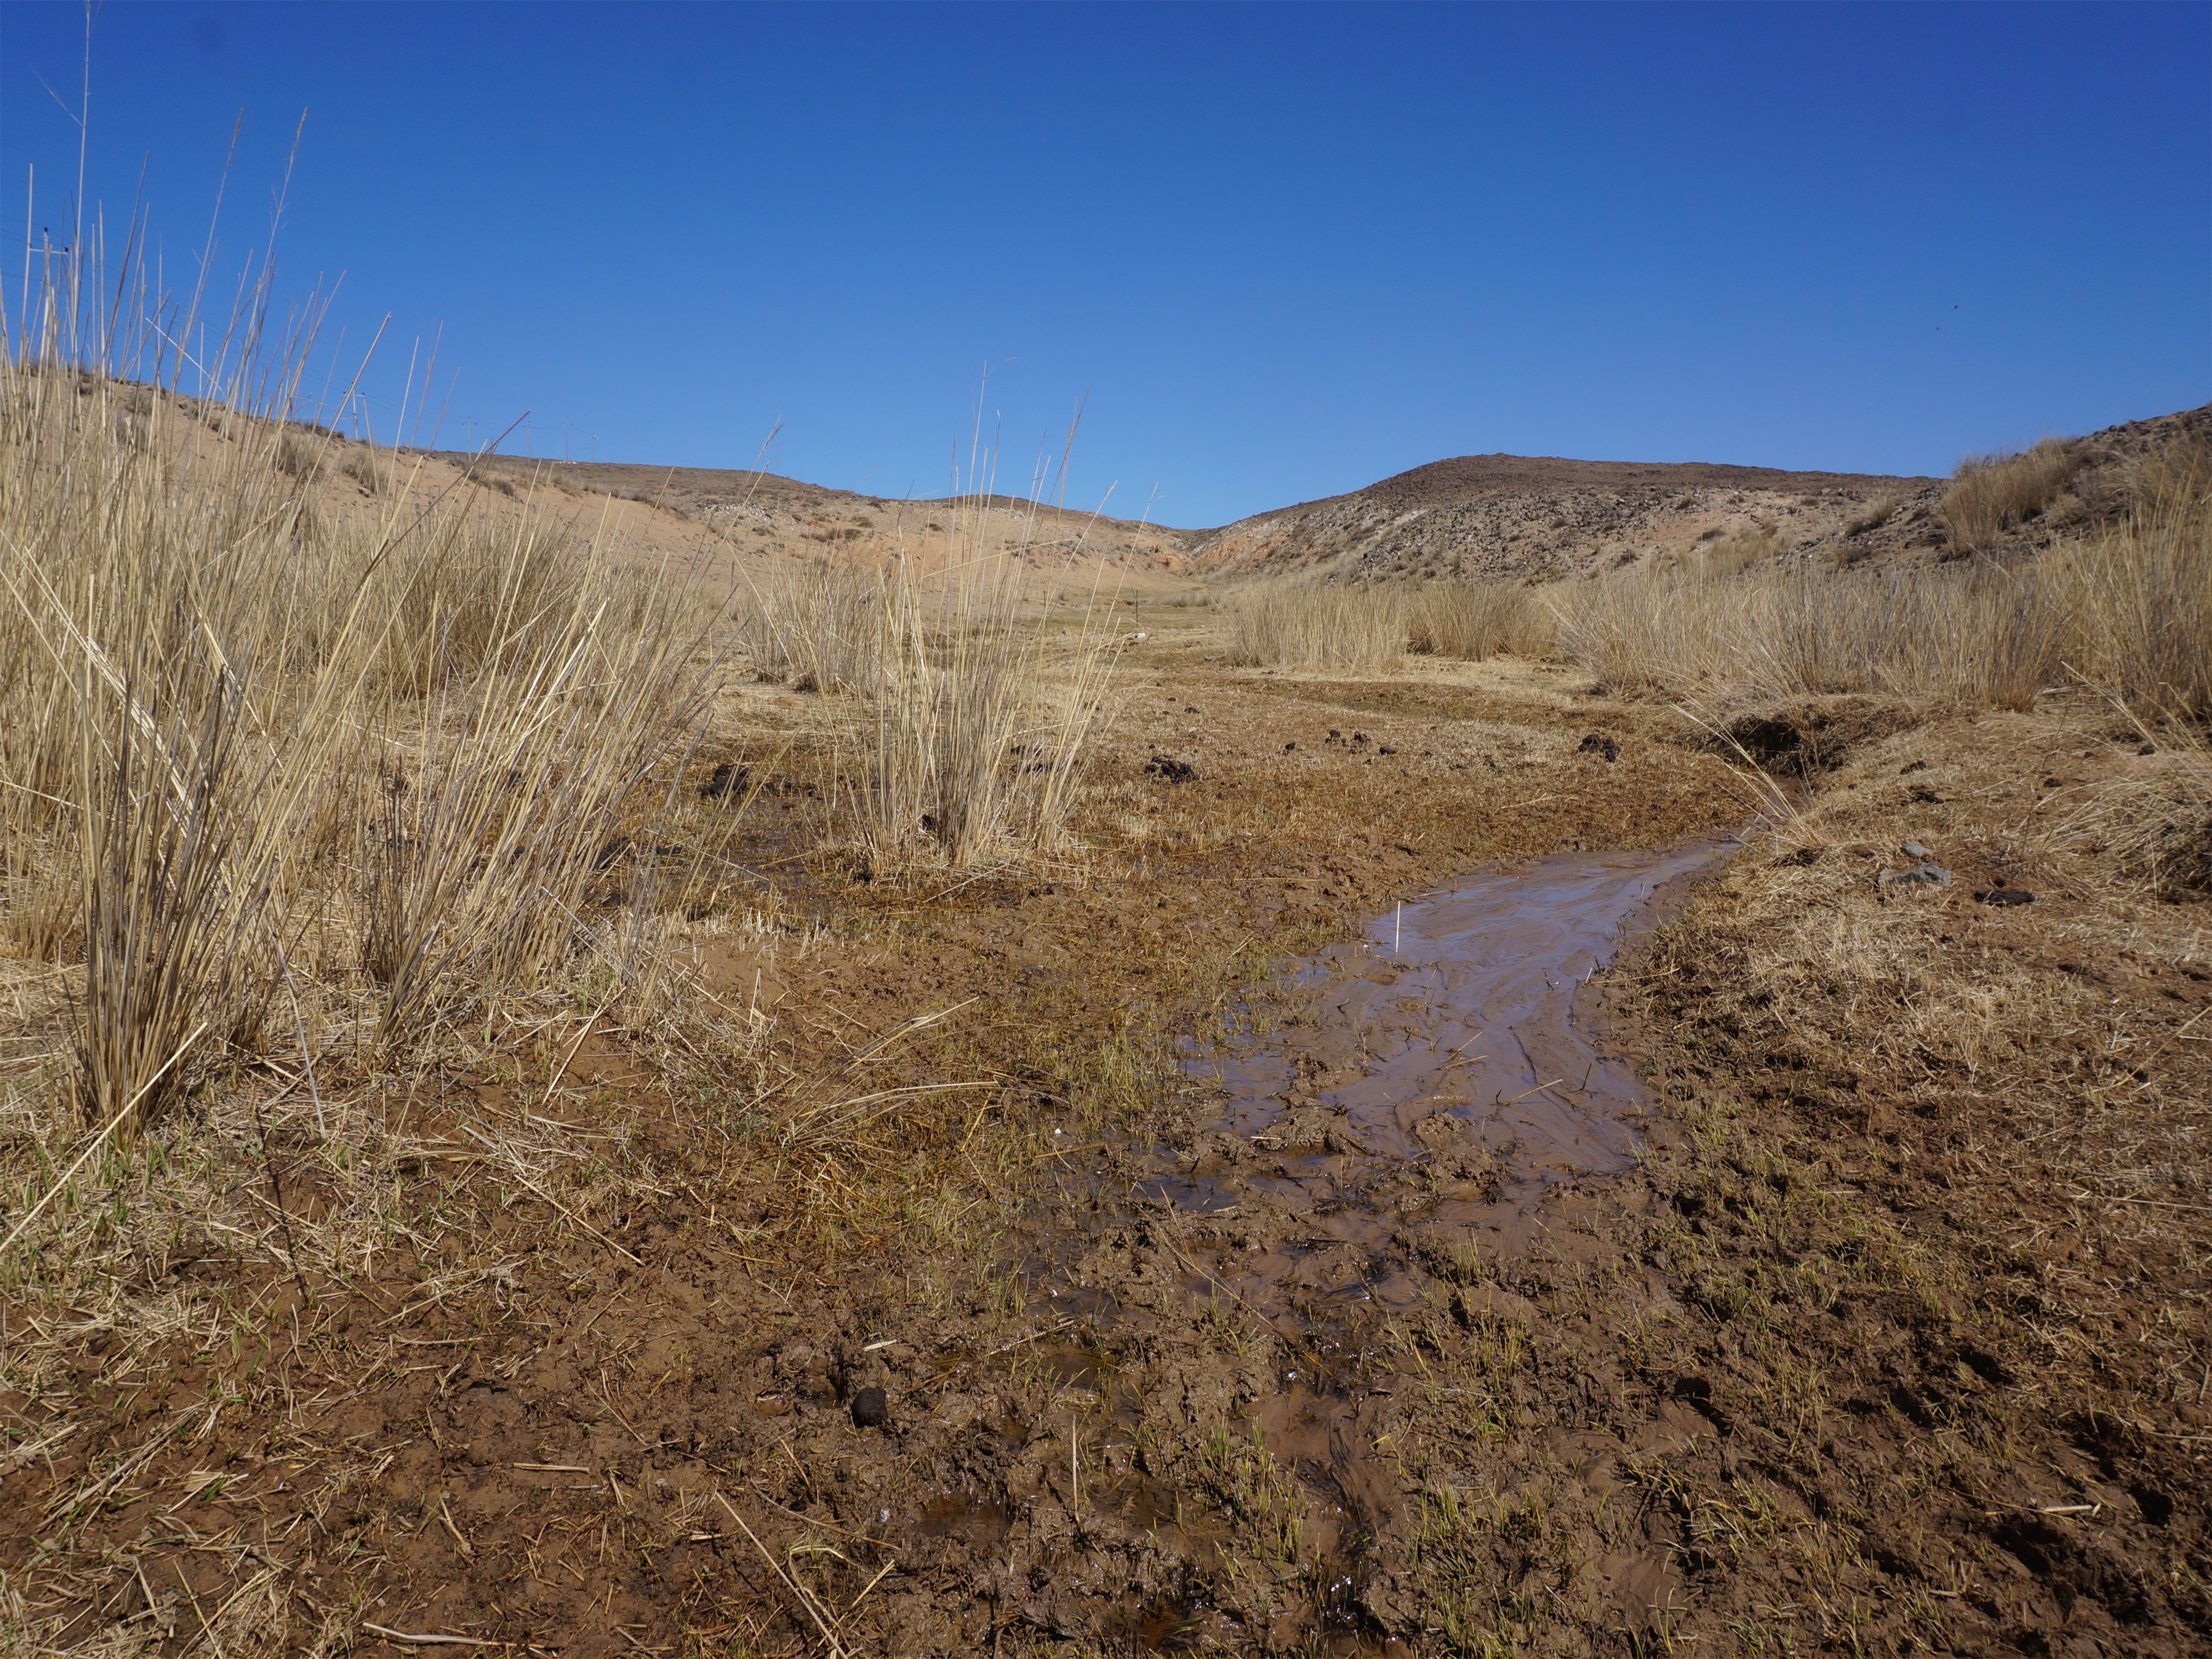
980,687
1335,626
823,625
972,748
1474,621
1991,494
224,726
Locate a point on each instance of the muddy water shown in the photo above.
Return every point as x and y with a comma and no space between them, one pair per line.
1463,1002
1401,1124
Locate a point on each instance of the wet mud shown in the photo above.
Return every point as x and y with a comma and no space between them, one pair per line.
1377,1140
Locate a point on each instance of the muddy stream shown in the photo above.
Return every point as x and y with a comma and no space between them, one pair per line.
1389,1125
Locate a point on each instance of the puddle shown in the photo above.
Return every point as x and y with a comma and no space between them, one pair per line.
1400,1131
1459,1003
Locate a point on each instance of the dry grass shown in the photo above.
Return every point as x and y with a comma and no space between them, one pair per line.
2128,611
1732,554
1875,514
1322,625
1475,621
824,626
972,749
2156,827
238,757
1991,494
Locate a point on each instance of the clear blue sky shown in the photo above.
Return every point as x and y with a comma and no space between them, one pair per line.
1286,250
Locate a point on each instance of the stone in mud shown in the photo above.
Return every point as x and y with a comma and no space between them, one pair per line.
1922,878
871,1408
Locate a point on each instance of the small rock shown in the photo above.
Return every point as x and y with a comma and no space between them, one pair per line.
871,1408
1929,876
1288,747
1913,849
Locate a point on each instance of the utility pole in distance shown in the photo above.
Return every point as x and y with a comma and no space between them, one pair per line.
595,449
530,441
564,443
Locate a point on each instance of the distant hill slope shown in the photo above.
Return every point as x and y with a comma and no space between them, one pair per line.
763,512
1519,516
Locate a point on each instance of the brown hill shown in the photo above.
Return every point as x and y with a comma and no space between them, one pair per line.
761,512
1522,516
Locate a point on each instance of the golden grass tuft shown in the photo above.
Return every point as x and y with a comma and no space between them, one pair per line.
231,748
1474,621
1334,626
1991,494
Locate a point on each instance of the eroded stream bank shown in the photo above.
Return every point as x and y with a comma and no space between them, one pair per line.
1394,1140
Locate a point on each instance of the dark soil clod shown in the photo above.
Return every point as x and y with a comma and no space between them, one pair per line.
729,779
1597,742
871,1408
1169,770
2005,896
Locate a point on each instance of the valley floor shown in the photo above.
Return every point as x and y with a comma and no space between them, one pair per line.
1892,1335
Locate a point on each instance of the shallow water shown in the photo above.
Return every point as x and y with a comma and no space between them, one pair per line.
1403,1126
1464,1002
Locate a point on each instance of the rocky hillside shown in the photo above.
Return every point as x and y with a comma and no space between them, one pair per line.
1513,516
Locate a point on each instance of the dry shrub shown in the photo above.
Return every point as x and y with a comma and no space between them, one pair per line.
1990,494
2174,476
300,456
1324,625
370,473
1474,621
1735,553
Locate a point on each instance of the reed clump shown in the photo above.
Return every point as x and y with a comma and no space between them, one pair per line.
823,625
1338,626
1474,621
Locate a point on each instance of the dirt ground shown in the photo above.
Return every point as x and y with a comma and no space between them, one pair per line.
1086,1318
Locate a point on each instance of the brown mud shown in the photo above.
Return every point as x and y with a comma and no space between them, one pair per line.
1285,1275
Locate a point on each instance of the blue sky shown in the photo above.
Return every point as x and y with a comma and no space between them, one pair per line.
1286,251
